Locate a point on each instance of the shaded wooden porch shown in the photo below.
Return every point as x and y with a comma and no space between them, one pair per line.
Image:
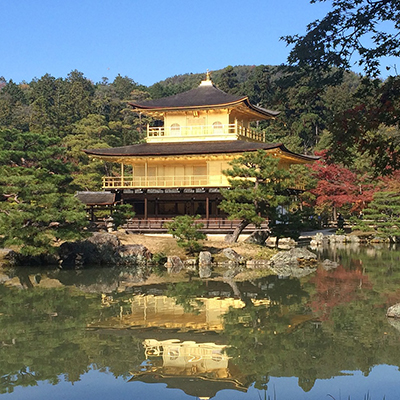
210,226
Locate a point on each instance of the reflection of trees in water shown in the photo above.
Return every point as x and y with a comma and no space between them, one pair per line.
186,295
281,341
380,263
335,287
44,337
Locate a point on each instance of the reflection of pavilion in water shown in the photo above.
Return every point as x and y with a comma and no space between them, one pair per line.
162,312
200,368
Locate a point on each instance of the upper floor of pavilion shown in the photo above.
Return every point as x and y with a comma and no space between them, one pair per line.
205,113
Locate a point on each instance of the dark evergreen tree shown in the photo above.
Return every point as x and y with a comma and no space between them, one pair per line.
38,207
382,216
258,186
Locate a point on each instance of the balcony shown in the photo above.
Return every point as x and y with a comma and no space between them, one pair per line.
203,132
164,182
171,182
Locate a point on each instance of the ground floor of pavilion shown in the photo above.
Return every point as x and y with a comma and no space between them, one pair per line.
154,207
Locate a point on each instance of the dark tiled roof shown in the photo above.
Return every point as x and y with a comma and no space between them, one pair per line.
189,148
96,198
201,97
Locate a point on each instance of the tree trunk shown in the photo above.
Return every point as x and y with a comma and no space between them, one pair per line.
236,233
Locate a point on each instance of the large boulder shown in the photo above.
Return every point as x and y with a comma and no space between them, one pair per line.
205,258
137,252
232,255
297,262
99,249
104,239
294,257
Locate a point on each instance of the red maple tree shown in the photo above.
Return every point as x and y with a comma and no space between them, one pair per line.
338,186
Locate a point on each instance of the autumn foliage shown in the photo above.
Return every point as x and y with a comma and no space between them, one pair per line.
338,186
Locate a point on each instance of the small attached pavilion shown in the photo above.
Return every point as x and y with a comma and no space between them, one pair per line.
179,170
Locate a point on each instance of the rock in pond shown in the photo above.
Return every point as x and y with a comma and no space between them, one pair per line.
205,258
99,249
296,262
190,265
293,257
174,265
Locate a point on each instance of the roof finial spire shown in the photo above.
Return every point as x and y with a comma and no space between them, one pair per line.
207,81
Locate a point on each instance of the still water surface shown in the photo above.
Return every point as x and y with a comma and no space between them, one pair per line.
98,335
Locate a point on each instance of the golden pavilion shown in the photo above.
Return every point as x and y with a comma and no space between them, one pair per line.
179,170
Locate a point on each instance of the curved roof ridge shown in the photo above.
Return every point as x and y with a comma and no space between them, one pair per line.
201,96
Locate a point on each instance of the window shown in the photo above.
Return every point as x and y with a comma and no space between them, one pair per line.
217,127
175,129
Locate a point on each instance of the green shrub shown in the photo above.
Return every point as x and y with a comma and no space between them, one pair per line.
186,232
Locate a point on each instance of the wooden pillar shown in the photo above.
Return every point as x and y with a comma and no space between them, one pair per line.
207,207
122,174
145,208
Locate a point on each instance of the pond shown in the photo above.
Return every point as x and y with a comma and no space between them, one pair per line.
94,334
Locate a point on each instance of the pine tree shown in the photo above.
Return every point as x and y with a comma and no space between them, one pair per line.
187,232
258,187
38,207
383,215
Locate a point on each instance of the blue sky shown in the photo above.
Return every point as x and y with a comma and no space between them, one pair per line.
147,40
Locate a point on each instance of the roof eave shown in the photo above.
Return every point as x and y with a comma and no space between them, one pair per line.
182,108
260,112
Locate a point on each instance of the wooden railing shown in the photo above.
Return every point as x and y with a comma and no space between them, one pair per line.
168,182
187,181
215,225
204,131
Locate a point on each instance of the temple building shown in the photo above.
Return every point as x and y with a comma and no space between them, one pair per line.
179,170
